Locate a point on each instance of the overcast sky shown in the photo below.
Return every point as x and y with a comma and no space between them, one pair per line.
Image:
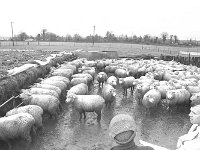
139,17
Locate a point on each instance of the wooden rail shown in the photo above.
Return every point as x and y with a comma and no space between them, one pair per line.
12,98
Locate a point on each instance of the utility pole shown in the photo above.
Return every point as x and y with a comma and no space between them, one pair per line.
12,32
93,35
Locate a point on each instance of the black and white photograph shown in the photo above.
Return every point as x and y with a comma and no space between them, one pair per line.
99,75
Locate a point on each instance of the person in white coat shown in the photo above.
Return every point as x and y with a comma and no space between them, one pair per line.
191,140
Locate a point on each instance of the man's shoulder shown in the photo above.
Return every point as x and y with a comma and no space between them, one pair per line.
133,148
144,148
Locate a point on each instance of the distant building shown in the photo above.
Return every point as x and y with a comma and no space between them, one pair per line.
29,40
2,38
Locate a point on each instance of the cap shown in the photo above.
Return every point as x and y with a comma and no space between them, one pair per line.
121,123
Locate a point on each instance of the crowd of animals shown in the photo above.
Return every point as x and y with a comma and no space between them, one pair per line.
150,81
16,123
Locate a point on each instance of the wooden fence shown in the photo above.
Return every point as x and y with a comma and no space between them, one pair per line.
172,50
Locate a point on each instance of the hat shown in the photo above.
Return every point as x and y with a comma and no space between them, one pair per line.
121,123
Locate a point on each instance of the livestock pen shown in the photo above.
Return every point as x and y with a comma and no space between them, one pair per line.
161,127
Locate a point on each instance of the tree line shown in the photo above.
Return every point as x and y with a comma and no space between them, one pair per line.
164,39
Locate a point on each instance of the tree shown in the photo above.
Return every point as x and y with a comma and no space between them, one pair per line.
68,38
121,38
155,40
77,38
60,38
38,37
147,38
171,39
89,38
176,39
139,39
98,38
164,36
110,37
22,36
51,36
44,34
134,38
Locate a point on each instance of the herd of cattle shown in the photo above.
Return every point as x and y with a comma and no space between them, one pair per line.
150,81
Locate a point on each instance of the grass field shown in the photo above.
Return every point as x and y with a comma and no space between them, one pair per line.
121,48
11,56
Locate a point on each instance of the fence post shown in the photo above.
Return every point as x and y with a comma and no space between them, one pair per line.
189,58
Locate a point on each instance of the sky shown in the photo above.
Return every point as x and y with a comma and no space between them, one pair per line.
130,17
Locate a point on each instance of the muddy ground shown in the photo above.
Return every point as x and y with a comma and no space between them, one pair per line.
67,133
